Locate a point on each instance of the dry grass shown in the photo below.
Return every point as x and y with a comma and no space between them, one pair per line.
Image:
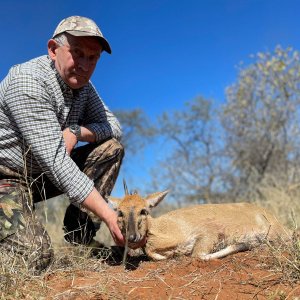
284,202
286,259
17,283
15,280
72,263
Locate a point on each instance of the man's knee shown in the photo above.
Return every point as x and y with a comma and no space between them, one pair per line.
90,154
110,148
117,145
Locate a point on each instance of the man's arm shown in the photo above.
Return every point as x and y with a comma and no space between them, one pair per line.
98,118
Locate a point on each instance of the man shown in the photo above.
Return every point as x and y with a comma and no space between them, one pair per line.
48,105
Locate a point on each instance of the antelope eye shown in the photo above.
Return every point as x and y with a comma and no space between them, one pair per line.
120,214
144,212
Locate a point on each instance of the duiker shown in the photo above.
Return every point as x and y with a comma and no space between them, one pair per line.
206,231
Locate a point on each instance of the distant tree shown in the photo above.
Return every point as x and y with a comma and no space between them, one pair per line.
137,129
262,122
212,157
191,166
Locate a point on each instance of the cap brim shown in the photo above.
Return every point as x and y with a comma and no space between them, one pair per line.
104,43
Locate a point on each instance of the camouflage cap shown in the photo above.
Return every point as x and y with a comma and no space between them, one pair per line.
82,26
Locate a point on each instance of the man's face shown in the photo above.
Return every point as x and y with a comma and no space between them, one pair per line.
76,60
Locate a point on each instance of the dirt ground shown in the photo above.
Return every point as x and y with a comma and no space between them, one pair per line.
248,275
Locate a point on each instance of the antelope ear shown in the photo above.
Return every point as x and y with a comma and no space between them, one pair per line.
114,202
155,198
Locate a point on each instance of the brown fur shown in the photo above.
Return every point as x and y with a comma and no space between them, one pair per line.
206,231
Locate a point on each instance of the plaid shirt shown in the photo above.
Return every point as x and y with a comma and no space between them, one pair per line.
35,107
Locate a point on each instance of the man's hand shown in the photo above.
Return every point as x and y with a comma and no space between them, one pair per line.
95,203
70,140
114,229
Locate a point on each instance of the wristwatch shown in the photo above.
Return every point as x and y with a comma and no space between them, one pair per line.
75,129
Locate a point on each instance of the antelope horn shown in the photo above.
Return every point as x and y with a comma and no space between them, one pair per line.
125,187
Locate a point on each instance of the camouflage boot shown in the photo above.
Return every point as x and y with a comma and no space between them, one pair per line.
101,163
21,234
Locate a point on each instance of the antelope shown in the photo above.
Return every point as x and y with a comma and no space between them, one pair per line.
207,231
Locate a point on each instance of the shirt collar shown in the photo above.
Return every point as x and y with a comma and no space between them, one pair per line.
64,87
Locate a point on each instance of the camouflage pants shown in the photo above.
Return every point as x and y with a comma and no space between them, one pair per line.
21,232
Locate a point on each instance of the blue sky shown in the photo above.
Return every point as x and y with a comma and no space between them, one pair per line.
164,52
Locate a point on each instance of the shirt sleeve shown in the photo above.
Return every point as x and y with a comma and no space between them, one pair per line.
31,109
99,119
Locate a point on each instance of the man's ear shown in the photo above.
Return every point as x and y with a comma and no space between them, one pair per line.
52,46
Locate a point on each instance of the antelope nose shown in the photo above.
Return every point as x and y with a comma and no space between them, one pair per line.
132,238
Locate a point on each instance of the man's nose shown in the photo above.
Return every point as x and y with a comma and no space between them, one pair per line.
84,64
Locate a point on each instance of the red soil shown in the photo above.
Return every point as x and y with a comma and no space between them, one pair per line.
248,275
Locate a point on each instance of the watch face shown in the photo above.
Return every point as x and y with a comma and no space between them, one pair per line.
75,129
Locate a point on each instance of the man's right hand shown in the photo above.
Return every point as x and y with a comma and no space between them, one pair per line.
115,230
96,204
